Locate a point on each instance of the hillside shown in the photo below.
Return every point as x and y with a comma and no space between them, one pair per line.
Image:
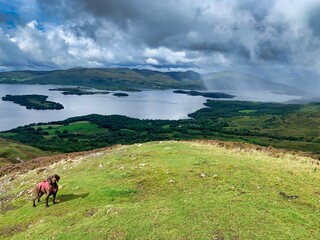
169,190
13,152
237,81
108,78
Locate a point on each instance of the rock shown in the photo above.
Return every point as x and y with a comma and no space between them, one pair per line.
283,194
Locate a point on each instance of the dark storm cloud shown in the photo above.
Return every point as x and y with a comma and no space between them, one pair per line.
314,21
204,34
3,18
181,25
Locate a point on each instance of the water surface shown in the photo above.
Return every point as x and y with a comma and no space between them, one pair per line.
153,104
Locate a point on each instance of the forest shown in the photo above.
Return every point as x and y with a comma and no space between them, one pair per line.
289,126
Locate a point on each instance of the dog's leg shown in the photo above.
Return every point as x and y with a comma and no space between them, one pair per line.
54,197
36,196
40,195
34,202
47,199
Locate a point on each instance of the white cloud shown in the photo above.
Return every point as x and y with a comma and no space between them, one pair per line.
167,56
204,34
152,61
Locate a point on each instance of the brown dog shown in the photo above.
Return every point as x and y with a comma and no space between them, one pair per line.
48,187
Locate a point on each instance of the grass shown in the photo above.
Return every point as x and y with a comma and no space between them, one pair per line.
302,123
169,190
80,127
10,151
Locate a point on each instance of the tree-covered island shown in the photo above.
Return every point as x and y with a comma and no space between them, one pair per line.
78,91
205,94
120,94
33,101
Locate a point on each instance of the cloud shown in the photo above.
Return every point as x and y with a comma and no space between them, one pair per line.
206,35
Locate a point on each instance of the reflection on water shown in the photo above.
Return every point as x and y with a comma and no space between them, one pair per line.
153,104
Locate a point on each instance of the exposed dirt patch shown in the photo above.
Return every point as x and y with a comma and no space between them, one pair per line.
5,205
42,162
9,231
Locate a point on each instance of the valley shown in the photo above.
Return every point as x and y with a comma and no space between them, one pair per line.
287,126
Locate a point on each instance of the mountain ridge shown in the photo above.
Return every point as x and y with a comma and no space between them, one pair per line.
140,79
108,78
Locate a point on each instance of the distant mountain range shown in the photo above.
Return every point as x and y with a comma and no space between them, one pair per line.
237,81
139,79
108,78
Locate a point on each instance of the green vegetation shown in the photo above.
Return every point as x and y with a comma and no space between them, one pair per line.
78,91
267,124
33,101
14,152
169,190
205,94
108,78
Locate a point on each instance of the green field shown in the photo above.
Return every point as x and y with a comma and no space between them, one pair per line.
170,190
77,128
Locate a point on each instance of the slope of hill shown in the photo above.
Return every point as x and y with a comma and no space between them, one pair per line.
108,78
169,190
236,81
14,152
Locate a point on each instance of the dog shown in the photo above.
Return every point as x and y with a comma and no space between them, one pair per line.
48,187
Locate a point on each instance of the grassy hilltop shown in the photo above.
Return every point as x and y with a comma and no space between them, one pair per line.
169,190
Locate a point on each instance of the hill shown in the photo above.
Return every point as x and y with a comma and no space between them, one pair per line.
237,81
108,78
13,152
169,190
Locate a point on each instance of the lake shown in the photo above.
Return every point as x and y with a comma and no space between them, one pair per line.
151,104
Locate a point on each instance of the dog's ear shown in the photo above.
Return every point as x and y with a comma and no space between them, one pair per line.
57,177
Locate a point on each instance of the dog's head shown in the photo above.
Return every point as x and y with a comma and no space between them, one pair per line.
53,179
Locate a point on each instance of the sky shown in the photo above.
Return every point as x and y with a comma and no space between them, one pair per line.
276,39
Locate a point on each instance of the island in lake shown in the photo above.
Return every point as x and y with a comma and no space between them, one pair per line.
205,94
33,101
121,94
78,91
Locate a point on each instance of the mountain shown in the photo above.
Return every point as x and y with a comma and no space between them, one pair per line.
237,81
108,78
167,190
139,79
